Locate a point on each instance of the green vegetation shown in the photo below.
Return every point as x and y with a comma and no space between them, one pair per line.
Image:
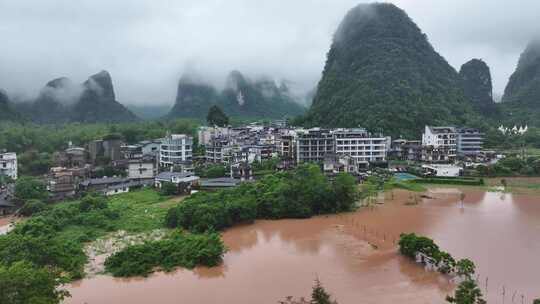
31,207
212,171
318,296
467,292
382,73
35,144
522,93
216,117
30,188
301,193
450,181
178,249
410,245
512,166
23,283
242,99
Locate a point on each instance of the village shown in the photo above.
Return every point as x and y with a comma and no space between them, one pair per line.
222,157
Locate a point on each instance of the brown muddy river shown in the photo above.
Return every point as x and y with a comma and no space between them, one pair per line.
354,256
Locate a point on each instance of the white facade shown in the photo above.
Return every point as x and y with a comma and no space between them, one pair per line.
361,145
8,165
206,134
443,170
441,137
141,170
175,149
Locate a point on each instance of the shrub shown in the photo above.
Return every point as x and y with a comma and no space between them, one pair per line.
31,207
179,249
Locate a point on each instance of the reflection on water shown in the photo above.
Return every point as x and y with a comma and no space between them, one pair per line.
354,255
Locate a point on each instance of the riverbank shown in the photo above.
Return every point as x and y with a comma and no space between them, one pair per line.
354,254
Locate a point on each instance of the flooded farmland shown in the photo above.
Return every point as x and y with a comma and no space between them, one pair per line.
355,256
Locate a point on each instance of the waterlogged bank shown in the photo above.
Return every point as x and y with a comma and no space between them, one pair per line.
354,255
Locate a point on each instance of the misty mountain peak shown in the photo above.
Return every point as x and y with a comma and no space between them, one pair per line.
101,85
59,83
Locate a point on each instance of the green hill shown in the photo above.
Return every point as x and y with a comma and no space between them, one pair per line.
382,73
521,100
241,97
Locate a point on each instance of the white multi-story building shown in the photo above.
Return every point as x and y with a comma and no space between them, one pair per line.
443,139
176,151
8,165
361,145
207,134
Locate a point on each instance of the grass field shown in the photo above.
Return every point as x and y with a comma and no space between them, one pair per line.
139,211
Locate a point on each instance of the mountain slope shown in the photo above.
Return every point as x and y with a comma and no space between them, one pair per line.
193,99
382,73
97,102
476,82
7,113
521,100
241,97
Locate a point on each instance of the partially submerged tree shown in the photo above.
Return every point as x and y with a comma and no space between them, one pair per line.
467,292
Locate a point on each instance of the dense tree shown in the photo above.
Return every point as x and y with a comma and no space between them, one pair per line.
467,292
301,193
31,207
216,117
23,283
28,188
382,73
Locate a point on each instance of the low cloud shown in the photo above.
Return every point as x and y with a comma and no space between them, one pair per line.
147,45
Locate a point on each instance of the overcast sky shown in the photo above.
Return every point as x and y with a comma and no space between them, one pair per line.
146,45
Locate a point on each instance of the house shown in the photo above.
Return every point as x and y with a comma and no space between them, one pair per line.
176,178
111,185
72,157
8,165
469,142
218,183
141,169
241,171
336,163
7,205
105,150
176,153
61,183
442,141
442,170
363,146
313,144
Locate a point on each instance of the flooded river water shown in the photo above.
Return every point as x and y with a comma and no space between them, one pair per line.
355,257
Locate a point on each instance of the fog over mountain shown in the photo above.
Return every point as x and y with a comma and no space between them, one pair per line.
148,45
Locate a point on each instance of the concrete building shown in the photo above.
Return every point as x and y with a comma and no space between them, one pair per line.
287,147
207,134
442,170
338,163
363,146
61,183
176,178
313,144
105,150
141,169
441,139
469,142
8,165
176,153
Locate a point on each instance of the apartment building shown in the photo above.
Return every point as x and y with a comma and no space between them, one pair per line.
361,145
442,140
313,144
176,152
8,165
469,142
